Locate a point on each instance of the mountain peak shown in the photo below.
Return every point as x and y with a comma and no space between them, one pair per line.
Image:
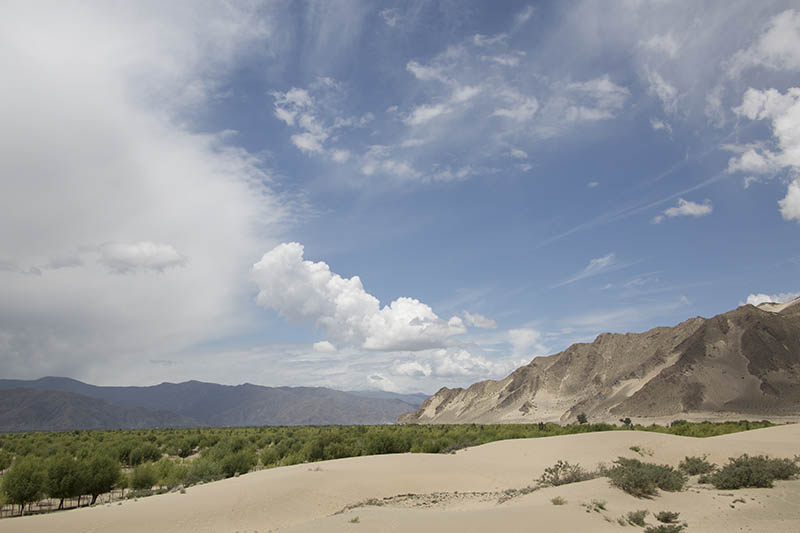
744,363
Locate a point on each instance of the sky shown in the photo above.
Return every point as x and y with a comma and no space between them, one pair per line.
384,195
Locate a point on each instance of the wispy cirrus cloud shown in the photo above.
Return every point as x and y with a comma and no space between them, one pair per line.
596,266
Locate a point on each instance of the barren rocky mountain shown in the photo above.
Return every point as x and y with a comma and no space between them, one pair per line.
744,362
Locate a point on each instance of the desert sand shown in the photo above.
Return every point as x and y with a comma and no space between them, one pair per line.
456,492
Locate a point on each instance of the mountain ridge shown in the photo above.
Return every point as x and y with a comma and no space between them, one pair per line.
195,403
744,361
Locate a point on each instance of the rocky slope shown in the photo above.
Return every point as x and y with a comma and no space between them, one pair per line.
746,361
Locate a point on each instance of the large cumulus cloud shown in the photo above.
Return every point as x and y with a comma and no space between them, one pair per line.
306,291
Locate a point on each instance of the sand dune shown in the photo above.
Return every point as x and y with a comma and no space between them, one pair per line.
456,492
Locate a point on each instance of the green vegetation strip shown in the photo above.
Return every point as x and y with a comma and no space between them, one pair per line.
66,465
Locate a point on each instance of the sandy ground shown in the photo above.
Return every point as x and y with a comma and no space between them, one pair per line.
456,492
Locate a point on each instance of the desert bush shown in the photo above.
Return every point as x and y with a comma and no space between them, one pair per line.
582,418
595,505
665,528
562,473
642,479
755,471
637,517
667,517
558,500
696,465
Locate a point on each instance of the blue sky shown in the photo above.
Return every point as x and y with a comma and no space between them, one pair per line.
399,196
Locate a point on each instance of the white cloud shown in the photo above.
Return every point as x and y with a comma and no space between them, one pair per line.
778,48
411,368
341,156
595,267
749,180
783,110
526,342
424,113
412,143
304,291
127,258
507,60
607,94
790,205
463,94
453,365
319,121
596,99
390,16
665,92
426,73
519,154
521,108
593,184
123,165
380,381
309,142
484,40
463,363
449,174
686,208
524,15
760,298
658,124
753,161
662,43
479,321
324,347
714,111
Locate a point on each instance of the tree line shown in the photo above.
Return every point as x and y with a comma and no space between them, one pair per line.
77,464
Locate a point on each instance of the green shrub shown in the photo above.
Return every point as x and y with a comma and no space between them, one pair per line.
558,500
240,462
642,479
562,473
637,517
202,470
667,517
696,465
756,471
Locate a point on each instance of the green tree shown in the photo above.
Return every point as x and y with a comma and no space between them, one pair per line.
5,460
102,473
143,477
24,482
582,419
64,478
